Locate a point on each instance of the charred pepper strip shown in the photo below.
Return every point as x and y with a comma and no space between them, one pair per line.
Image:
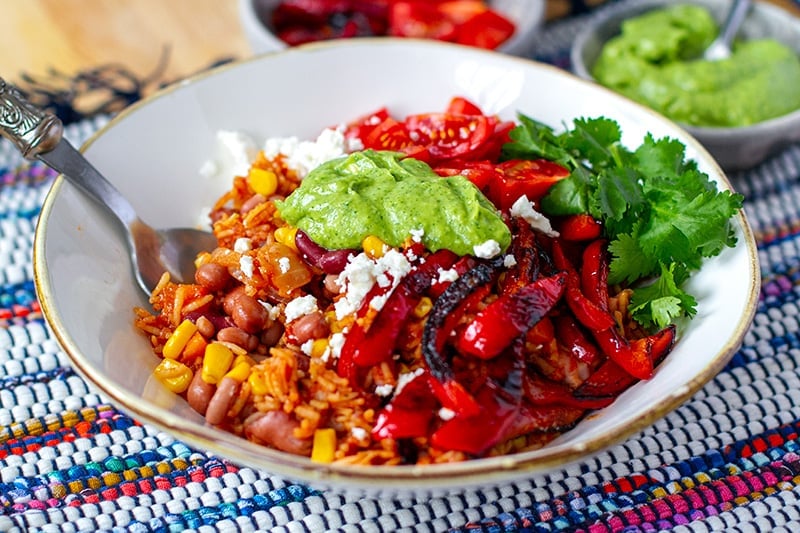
448,391
368,346
585,310
499,407
610,379
509,316
607,337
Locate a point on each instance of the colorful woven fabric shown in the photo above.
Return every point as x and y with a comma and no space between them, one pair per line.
726,460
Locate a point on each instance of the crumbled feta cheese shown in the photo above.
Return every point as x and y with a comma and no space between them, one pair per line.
359,433
273,311
284,264
305,156
362,272
417,234
307,347
487,250
509,261
246,265
446,414
238,151
334,348
406,378
242,245
448,275
523,208
384,390
300,306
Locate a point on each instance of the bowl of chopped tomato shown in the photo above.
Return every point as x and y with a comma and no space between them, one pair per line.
492,270
508,26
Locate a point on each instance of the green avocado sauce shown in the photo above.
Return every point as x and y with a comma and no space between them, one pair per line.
655,61
384,194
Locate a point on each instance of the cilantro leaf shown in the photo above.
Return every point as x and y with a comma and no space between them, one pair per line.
660,302
661,214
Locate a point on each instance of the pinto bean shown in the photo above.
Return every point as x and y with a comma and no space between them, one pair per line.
205,326
229,301
212,276
249,314
272,334
222,401
235,335
199,393
310,326
276,429
331,285
252,202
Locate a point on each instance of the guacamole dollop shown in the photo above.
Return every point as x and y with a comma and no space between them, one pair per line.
656,61
392,197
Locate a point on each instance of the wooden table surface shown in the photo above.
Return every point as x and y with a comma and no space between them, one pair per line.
73,35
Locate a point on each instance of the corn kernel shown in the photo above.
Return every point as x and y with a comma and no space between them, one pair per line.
423,307
257,382
373,246
318,347
322,451
239,372
262,181
174,375
177,341
216,362
286,235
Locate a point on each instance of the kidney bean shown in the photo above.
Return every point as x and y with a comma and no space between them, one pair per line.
252,202
310,250
205,326
235,335
249,314
222,401
308,327
212,276
276,429
334,261
272,334
199,393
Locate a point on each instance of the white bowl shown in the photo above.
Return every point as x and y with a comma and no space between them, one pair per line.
734,148
154,151
527,15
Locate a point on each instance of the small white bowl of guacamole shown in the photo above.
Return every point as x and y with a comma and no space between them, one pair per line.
743,109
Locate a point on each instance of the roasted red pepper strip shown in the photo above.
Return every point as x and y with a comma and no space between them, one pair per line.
448,391
572,337
512,314
369,346
608,338
410,412
585,310
498,409
610,379
594,273
538,390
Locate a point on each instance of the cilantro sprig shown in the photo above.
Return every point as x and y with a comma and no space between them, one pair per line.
661,214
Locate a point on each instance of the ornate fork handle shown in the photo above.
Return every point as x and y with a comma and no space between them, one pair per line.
32,131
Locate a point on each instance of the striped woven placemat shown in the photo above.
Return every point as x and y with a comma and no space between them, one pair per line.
728,459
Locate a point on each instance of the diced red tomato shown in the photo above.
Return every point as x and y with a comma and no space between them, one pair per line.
580,227
461,106
449,136
360,128
480,173
420,20
523,177
388,135
487,30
